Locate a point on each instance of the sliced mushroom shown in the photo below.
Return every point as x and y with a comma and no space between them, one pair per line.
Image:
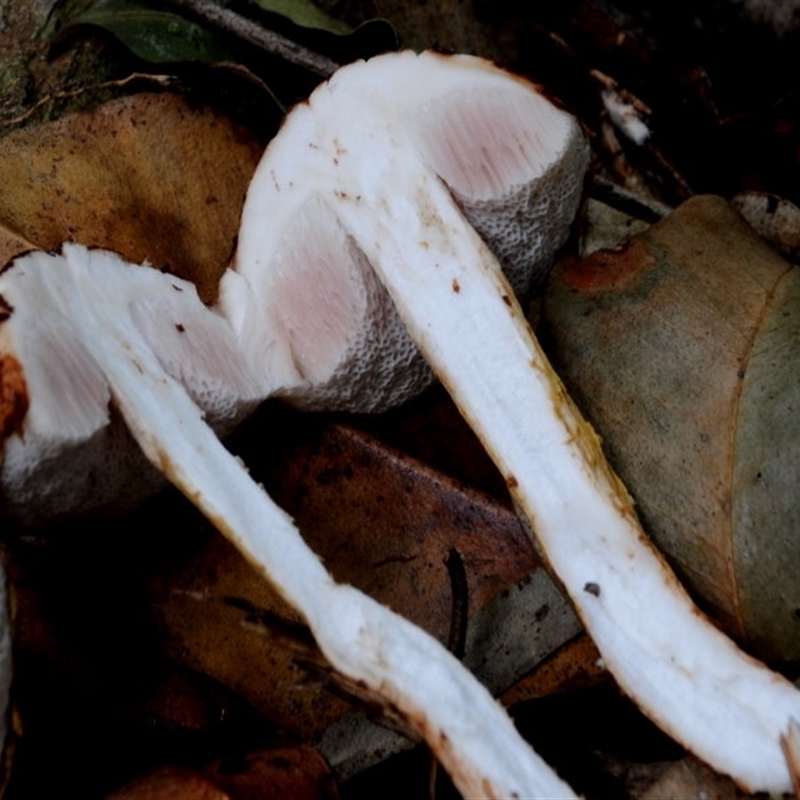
96,350
71,452
409,128
368,175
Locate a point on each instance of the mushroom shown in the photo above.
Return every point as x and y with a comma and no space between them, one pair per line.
390,167
84,330
455,128
96,354
66,450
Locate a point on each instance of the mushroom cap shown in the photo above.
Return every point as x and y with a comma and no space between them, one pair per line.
67,449
302,296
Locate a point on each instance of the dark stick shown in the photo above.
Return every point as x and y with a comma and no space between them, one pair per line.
457,638
249,31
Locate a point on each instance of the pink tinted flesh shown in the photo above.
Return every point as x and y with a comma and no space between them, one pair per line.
483,142
317,307
71,378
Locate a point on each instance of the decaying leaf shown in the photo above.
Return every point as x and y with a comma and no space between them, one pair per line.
11,244
297,772
150,176
604,226
170,783
689,777
575,665
682,348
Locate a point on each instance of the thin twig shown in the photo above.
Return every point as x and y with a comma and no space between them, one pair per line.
250,31
459,591
634,204
161,80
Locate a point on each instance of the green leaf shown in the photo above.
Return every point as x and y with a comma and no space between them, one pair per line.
305,14
154,35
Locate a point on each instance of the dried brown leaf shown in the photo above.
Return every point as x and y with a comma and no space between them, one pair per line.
149,176
297,772
689,777
170,783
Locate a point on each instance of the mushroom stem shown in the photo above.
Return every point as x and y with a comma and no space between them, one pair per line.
466,728
686,675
